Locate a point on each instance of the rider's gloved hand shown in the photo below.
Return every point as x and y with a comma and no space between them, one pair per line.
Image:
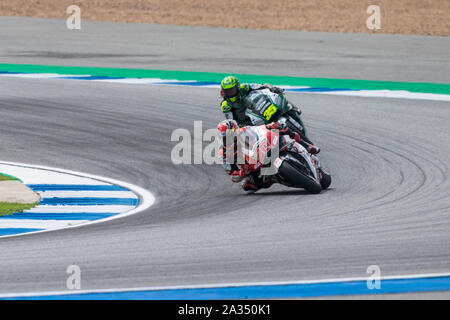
295,108
277,90
281,126
244,170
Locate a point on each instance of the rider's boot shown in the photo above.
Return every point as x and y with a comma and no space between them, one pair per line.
267,181
251,186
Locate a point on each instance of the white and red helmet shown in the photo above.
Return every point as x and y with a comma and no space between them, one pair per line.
227,127
228,131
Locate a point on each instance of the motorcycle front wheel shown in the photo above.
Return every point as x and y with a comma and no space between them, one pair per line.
295,178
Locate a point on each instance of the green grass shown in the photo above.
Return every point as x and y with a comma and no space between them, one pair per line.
5,177
10,208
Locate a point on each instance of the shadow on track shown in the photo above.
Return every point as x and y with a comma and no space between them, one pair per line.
294,192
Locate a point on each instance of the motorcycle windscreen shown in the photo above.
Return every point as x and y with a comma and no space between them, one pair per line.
262,106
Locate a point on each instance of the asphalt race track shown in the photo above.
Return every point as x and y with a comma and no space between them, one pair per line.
389,203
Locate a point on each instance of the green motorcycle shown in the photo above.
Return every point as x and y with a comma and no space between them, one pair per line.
265,106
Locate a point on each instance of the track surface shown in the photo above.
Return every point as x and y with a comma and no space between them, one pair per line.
389,203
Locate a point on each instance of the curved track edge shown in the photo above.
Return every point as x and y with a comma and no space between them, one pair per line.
145,197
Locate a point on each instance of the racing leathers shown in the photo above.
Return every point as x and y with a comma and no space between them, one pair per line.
248,173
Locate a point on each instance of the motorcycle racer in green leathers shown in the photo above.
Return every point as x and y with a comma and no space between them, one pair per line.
233,94
234,104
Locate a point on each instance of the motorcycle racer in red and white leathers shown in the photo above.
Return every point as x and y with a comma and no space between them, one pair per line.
247,171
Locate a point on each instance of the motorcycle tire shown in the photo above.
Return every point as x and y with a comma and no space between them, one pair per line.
326,180
296,178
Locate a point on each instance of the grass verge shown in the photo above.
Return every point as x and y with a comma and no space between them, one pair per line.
10,208
5,177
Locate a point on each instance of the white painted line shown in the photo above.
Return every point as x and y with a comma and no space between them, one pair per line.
140,80
76,209
31,75
39,75
37,224
87,194
29,175
219,285
389,94
157,81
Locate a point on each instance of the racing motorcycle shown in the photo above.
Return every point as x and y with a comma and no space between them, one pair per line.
292,165
264,106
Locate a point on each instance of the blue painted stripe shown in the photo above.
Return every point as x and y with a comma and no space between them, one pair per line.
74,187
265,291
7,72
205,83
185,83
59,216
89,201
188,83
91,78
10,231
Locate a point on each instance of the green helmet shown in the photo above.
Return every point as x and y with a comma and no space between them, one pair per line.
230,88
